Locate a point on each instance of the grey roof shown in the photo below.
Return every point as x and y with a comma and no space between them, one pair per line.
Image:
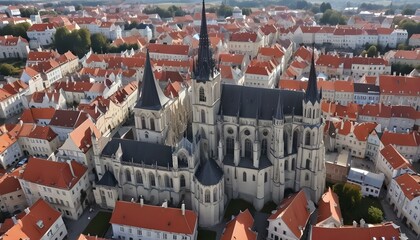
312,94
364,177
140,152
108,179
209,173
248,162
250,102
151,95
365,88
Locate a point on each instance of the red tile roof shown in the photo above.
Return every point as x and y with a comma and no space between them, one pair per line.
399,85
344,86
33,115
294,213
386,230
59,174
27,227
400,139
240,227
169,220
394,158
82,135
244,37
409,184
6,141
40,27
376,110
9,183
329,61
231,58
329,207
169,49
362,130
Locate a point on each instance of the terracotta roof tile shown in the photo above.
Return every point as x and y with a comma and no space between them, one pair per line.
240,227
329,207
169,49
387,231
409,184
394,158
400,139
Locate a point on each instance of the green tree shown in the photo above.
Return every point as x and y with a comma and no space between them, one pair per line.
332,17
410,25
27,12
372,51
224,11
62,41
246,11
78,7
324,7
390,12
16,30
99,43
85,42
408,11
8,70
401,68
349,195
375,215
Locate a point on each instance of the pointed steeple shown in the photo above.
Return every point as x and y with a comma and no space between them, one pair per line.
151,95
311,94
205,63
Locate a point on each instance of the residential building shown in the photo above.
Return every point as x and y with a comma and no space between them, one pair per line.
50,72
344,92
33,79
414,40
169,52
400,90
11,98
54,100
40,221
354,137
13,47
338,169
41,34
291,218
12,199
365,66
246,43
369,182
261,74
64,122
366,93
407,143
329,212
10,151
65,186
240,227
138,220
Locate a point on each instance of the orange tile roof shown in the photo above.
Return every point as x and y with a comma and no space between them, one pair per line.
344,86
27,227
293,85
58,175
33,115
244,37
87,237
41,56
386,230
329,61
82,135
345,128
294,213
231,58
394,158
43,132
410,185
169,49
400,139
329,206
362,130
399,85
274,51
6,141
376,110
169,220
9,183
240,227
40,27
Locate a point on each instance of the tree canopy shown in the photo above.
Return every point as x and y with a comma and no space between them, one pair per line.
348,194
410,25
99,43
16,30
77,41
324,7
375,215
8,70
27,12
172,11
372,51
332,17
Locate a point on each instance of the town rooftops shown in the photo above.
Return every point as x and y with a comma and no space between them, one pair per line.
6,141
168,49
68,118
82,135
9,183
329,207
399,85
240,227
40,27
35,224
394,158
59,174
170,220
33,115
400,139
386,231
409,184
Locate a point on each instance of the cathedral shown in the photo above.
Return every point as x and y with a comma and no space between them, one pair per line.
215,142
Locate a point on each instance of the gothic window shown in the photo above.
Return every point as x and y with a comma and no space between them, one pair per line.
182,160
139,178
308,113
313,138
207,196
286,165
248,148
182,181
265,177
295,141
215,195
293,164
167,181
143,122
244,176
307,138
152,124
253,177
313,113
202,95
308,164
230,145
127,175
152,180
285,143
264,147
203,116
306,177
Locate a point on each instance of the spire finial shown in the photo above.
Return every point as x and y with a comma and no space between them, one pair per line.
311,94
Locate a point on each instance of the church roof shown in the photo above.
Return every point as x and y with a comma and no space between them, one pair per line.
209,173
140,152
250,102
108,179
248,162
151,95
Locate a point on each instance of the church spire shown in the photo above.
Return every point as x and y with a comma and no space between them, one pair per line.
151,95
312,89
205,63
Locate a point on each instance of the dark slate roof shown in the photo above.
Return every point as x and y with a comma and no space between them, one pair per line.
209,173
140,152
365,88
108,179
250,102
312,94
248,162
151,95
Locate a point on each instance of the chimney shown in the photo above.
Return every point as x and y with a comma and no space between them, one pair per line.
165,204
71,167
14,220
132,200
354,223
141,201
362,223
27,211
183,209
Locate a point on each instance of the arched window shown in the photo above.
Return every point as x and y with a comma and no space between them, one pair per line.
295,141
265,177
253,177
306,177
230,145
293,164
248,148
285,143
207,196
167,182
202,95
286,165
203,116
152,124
152,180
264,147
215,195
313,138
127,175
182,181
244,176
139,178
307,138
143,122
182,160
308,164
308,113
